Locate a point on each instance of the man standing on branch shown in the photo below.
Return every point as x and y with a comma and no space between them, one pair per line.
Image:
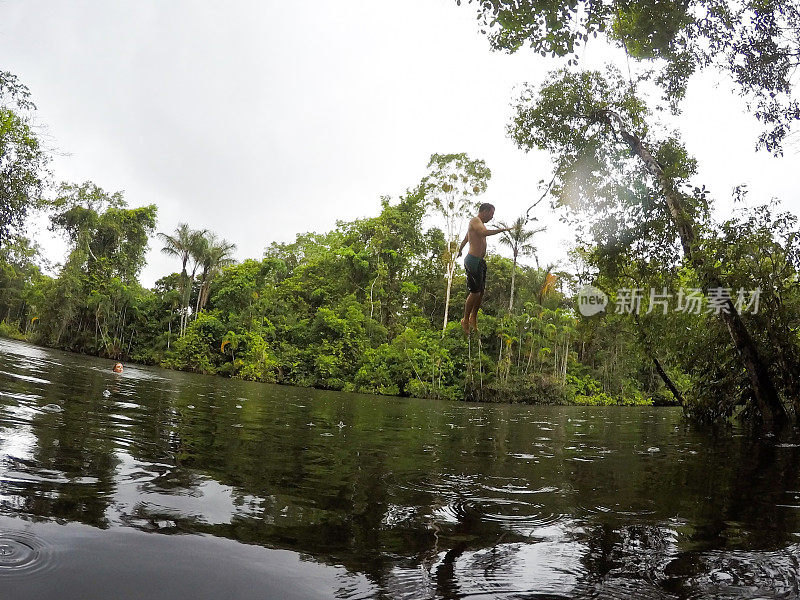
475,263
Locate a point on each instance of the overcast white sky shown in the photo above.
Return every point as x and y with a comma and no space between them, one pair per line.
260,120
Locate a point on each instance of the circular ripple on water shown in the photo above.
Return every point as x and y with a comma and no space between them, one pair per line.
463,498
22,552
513,514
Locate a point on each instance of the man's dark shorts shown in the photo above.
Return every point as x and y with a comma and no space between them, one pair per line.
476,273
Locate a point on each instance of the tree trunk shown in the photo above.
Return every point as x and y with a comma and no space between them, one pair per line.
183,281
659,369
500,354
371,289
667,381
187,301
451,267
197,304
513,281
201,292
769,403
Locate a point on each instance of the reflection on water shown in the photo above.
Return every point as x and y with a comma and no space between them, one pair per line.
159,484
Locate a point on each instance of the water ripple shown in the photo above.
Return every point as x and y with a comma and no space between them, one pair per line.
23,553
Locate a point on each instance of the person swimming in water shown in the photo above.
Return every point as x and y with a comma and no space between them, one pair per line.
475,263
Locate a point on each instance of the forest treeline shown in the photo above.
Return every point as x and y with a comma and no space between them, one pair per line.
373,305
358,308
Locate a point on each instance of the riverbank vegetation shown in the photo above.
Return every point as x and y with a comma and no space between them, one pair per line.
373,305
358,308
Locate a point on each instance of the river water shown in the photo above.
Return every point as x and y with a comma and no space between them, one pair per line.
158,484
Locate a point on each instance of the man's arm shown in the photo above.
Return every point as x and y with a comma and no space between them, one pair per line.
463,243
489,232
480,228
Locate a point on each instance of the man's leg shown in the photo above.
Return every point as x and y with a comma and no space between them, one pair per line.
471,299
473,318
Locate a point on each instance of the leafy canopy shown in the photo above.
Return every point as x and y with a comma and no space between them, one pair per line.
754,42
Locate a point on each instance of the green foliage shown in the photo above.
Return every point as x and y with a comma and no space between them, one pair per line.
608,191
11,330
258,363
588,391
353,309
22,284
23,160
358,309
626,185
200,348
755,43
364,307
93,304
417,363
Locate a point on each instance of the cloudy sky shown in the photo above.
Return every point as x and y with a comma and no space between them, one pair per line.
260,120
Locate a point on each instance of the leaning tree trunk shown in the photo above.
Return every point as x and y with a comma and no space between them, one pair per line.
769,403
659,369
668,382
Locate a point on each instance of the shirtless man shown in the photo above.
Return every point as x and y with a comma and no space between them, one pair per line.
475,264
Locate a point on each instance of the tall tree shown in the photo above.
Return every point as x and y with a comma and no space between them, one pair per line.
98,284
593,125
452,183
184,243
754,42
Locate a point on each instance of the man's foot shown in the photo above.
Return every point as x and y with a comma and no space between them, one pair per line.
473,323
465,326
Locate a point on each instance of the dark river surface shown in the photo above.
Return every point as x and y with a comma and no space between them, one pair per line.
158,484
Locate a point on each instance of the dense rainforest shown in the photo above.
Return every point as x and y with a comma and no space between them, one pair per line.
374,305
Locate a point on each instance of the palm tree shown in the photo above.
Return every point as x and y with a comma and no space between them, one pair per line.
183,243
517,239
198,252
216,255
